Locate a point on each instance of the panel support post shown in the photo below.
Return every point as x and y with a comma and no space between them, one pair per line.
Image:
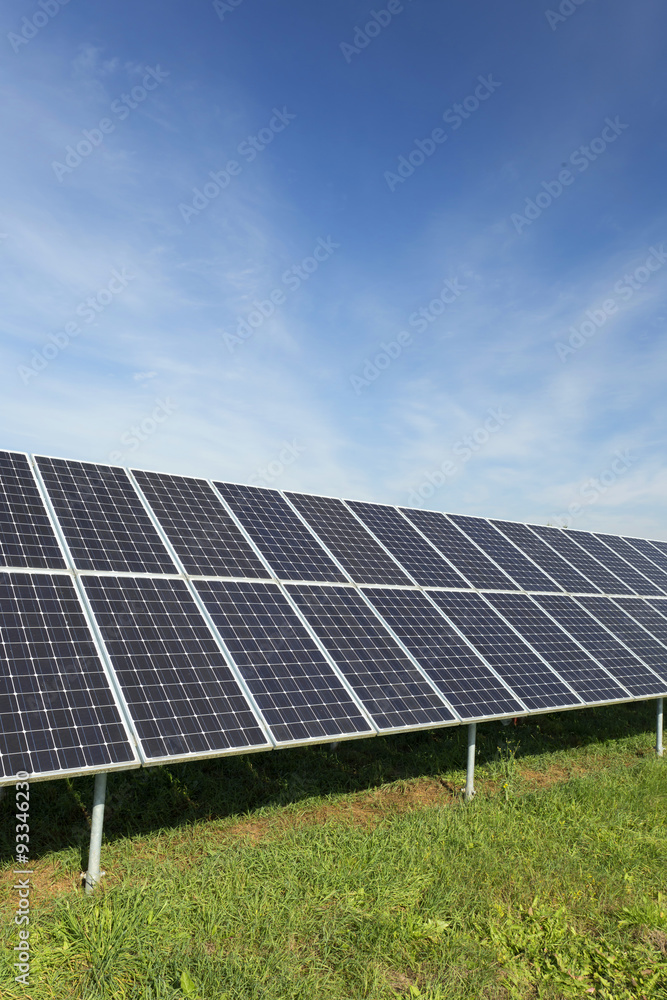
93,873
470,771
658,729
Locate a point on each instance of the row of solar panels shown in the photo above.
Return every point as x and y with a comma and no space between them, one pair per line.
147,618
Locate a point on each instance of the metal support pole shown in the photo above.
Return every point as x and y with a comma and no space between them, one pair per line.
93,874
334,746
470,772
658,730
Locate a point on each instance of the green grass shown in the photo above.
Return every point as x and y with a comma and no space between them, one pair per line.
361,873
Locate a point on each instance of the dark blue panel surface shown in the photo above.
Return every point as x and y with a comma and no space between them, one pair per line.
350,543
638,583
27,538
466,556
534,682
279,534
546,558
463,678
291,680
406,544
181,693
636,559
515,564
57,710
103,520
390,687
623,626
561,540
651,550
203,534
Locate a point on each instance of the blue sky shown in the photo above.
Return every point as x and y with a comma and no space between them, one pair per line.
468,332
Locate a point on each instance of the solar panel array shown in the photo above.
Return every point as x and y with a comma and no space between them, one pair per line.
147,618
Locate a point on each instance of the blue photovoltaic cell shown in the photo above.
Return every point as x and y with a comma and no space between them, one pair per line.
532,680
392,690
204,536
406,544
27,538
650,550
660,606
647,613
282,538
596,640
660,546
613,562
103,520
348,540
457,547
291,680
463,678
635,558
180,691
641,642
515,564
546,558
57,710
589,680
561,540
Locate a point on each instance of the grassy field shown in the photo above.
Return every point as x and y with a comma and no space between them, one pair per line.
361,873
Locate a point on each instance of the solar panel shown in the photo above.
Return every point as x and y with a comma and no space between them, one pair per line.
650,550
458,672
103,520
546,558
58,714
561,541
27,538
350,543
612,561
457,547
180,691
279,534
515,564
204,536
647,615
404,542
660,606
587,678
293,684
539,688
601,644
391,688
625,628
660,546
635,558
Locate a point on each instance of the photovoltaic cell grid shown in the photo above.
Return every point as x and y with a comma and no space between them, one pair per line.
181,693
293,683
405,543
103,519
27,538
601,644
660,546
348,540
546,558
630,576
636,559
203,534
650,550
561,540
474,565
57,710
515,564
284,540
526,673
641,642
574,665
391,688
458,672
647,615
